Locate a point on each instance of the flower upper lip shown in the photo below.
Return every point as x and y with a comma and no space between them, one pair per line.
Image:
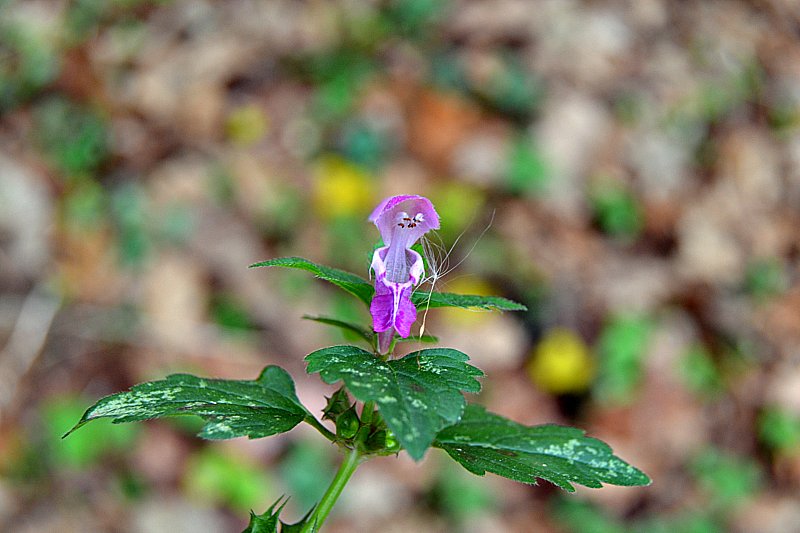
418,209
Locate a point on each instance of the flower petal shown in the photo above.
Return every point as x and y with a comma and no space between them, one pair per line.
382,307
406,314
385,217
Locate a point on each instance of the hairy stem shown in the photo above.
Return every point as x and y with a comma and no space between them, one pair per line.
328,500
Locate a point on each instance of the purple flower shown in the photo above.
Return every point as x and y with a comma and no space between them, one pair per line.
402,220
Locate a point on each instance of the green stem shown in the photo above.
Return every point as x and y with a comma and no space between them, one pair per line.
366,423
346,470
316,424
366,413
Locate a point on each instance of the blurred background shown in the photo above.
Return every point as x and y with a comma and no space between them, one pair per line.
630,170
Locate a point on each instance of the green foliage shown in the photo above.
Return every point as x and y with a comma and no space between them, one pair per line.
355,285
87,447
582,517
700,373
218,477
27,62
230,314
419,400
485,442
73,137
363,290
727,479
84,206
129,207
301,470
363,333
621,349
780,430
268,522
359,331
339,77
254,409
460,495
417,395
765,278
84,17
414,18
364,144
465,301
617,211
526,171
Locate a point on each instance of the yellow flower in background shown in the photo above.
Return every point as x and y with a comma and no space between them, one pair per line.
342,189
561,363
465,317
459,203
246,125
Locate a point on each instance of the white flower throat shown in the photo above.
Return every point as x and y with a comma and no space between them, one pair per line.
397,260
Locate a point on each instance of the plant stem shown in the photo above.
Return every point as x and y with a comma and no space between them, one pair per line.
316,424
341,478
366,413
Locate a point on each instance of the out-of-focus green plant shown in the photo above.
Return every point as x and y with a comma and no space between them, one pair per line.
616,210
510,89
84,17
628,107
84,205
461,497
765,278
230,314
59,413
779,429
700,373
414,19
526,171
457,203
213,475
727,479
306,463
130,210
28,61
74,138
364,144
176,223
784,118
447,72
338,77
620,350
579,516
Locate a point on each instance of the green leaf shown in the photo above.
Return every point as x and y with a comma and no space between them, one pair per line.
266,522
355,285
485,442
417,395
418,338
364,333
363,289
269,522
254,409
465,301
215,477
